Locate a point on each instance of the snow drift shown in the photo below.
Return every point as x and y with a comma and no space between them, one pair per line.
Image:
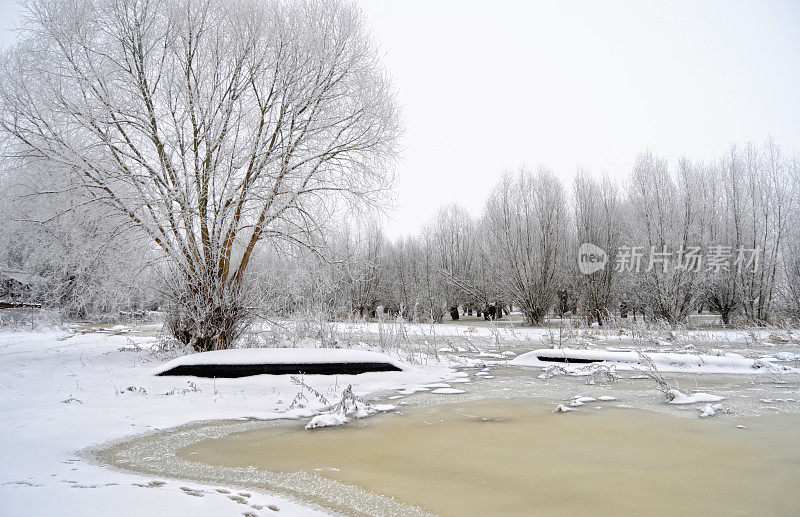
665,362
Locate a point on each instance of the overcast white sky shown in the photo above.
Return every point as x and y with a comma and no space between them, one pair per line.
487,86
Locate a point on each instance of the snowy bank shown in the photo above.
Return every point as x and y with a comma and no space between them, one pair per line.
665,362
63,392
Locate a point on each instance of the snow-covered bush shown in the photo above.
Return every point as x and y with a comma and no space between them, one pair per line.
350,406
602,374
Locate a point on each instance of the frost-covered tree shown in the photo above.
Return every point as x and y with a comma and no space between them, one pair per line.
457,246
747,207
525,220
666,224
789,273
598,220
209,125
82,264
720,188
358,259
767,181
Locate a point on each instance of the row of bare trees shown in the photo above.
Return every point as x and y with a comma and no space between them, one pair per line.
521,251
722,237
743,207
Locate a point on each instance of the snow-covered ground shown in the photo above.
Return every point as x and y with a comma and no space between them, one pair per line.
64,391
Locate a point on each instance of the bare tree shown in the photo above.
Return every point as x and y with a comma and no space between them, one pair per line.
401,259
526,219
766,178
82,264
359,263
416,284
210,125
791,251
666,219
454,235
722,211
598,221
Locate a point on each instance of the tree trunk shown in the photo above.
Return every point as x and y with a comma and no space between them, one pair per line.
534,316
205,318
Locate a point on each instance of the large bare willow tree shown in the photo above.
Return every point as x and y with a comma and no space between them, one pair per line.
212,125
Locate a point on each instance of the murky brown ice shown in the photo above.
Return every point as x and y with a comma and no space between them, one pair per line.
501,457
